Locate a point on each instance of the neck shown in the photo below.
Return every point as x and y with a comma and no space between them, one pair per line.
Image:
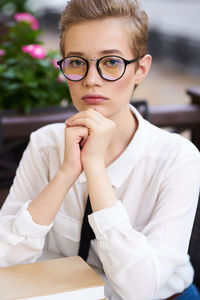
126,126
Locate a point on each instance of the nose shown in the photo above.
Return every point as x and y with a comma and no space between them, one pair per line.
93,77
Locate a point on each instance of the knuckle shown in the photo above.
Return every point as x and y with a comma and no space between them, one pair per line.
89,112
104,130
68,131
111,125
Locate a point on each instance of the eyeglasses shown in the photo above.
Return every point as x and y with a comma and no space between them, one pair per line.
110,67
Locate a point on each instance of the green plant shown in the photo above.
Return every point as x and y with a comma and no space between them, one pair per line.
14,6
29,76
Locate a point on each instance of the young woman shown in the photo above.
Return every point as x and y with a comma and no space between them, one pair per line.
143,182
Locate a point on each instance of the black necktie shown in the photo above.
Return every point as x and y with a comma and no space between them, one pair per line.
87,233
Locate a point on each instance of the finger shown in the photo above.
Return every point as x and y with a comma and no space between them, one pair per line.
85,122
97,116
77,130
89,113
76,133
83,141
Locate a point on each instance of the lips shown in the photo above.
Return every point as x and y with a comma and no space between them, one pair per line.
94,98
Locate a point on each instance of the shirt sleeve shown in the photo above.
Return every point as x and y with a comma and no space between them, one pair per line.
22,240
138,264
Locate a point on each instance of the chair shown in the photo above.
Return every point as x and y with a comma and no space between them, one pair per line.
194,247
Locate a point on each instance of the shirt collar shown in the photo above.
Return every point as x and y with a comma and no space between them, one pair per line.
119,170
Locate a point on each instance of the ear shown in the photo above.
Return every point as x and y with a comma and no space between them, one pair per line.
143,68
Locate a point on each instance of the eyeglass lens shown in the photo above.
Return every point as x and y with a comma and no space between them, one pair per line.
109,67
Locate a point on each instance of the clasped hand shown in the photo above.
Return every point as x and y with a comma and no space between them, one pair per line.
87,137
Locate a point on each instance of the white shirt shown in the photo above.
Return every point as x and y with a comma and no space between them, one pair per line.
142,242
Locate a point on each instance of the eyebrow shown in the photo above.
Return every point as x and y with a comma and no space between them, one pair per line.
111,51
103,52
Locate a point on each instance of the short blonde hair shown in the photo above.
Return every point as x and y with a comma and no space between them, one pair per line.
78,11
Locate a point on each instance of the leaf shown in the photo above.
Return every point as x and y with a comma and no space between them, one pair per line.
15,86
9,74
32,84
12,61
44,63
2,68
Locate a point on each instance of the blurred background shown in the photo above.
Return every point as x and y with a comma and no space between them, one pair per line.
174,42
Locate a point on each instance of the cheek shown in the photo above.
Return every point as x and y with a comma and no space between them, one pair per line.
73,89
124,87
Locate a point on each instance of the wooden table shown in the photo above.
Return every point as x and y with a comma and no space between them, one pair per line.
68,278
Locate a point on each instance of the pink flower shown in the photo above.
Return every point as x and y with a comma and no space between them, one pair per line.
2,52
28,18
61,78
54,62
28,48
35,51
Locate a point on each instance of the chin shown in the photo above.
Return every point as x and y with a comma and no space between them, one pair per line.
102,110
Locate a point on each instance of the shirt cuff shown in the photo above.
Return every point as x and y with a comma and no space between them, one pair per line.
25,226
104,219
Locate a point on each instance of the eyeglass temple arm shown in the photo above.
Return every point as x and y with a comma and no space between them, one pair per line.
133,60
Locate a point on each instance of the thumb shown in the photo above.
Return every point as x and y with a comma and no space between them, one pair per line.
83,141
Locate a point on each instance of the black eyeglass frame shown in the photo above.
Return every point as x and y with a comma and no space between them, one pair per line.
126,62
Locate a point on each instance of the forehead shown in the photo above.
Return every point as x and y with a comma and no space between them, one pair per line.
98,36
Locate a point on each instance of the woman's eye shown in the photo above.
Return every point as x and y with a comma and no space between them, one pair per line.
112,62
76,63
